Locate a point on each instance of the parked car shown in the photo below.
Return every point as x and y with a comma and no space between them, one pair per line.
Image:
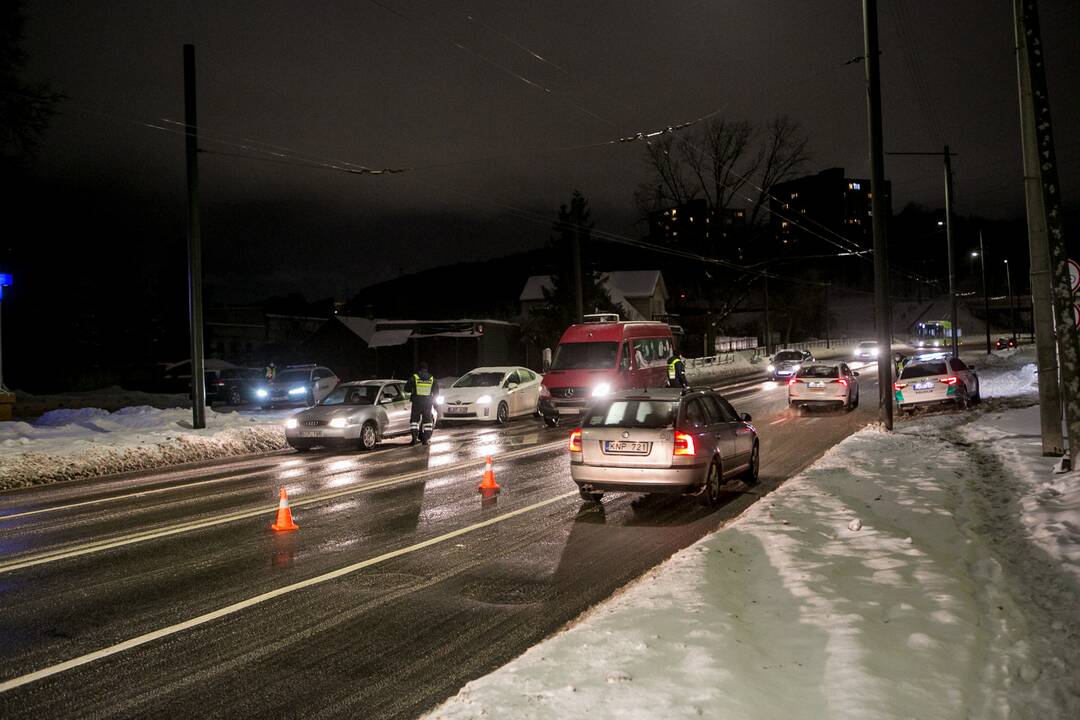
598,357
786,363
823,385
936,378
867,351
233,386
662,441
297,385
491,394
353,414
1005,343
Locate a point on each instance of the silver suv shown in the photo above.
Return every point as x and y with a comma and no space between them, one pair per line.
662,441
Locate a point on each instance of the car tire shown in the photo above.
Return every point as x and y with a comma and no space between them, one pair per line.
977,397
593,497
502,414
856,403
235,397
300,447
750,477
551,421
963,399
710,494
369,436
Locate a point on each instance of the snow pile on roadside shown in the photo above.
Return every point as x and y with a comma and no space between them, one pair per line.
1006,373
930,572
72,443
110,398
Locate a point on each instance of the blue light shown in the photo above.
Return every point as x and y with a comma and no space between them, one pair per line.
5,281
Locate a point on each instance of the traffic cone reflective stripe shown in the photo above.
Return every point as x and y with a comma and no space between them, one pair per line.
284,519
488,480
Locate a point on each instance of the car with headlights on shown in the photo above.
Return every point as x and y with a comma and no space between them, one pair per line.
821,384
491,394
867,351
354,414
786,363
936,378
662,441
297,385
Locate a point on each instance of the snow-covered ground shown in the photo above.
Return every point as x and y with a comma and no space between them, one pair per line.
932,572
72,443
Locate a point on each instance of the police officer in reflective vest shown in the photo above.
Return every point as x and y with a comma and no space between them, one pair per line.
423,388
676,372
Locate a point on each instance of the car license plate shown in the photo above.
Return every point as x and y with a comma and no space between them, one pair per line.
924,386
816,385
311,433
626,447
457,410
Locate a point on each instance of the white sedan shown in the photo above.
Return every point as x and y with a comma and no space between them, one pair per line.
491,394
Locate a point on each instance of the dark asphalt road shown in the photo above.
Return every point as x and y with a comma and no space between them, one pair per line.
166,592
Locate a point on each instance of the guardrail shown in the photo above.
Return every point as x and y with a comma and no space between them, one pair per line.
709,360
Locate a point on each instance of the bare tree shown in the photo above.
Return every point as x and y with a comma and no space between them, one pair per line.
719,163
782,154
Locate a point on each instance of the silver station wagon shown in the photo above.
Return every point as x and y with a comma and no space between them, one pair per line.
662,441
355,414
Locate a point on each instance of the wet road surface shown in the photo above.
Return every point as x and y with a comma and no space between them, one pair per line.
166,591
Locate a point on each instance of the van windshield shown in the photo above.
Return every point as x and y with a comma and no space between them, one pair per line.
585,356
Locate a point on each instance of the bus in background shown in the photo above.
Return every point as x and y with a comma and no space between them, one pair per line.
599,356
935,334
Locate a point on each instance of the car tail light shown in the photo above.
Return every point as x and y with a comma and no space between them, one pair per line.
899,386
575,440
684,444
842,381
951,380
792,380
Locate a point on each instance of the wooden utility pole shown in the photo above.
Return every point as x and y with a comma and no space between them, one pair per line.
195,310
882,307
1041,196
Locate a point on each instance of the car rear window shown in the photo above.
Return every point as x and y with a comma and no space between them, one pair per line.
632,413
585,356
924,369
789,356
819,371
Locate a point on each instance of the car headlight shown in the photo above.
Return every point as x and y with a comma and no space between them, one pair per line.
338,422
440,399
297,390
483,400
291,424
262,393
875,352
772,368
601,390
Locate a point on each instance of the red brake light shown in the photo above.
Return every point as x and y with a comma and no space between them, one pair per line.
575,440
684,444
899,386
951,380
791,381
842,381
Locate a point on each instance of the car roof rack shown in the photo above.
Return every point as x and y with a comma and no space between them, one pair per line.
600,317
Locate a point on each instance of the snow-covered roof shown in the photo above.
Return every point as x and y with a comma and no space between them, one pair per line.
534,287
389,338
625,283
360,326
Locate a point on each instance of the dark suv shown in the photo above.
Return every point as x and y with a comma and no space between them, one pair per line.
233,386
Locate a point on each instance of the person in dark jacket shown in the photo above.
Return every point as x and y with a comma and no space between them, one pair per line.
422,387
676,372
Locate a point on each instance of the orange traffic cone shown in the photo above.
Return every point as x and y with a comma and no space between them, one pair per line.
488,481
284,515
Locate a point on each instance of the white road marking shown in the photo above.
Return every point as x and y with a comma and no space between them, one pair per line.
313,467
781,419
258,599
131,538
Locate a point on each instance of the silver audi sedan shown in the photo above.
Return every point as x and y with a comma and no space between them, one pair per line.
355,414
662,441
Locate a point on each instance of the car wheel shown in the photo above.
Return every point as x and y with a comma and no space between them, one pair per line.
502,414
856,399
235,397
750,477
551,421
711,493
300,447
963,400
977,397
369,436
593,497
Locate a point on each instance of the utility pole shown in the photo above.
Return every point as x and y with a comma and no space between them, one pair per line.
952,260
828,342
579,291
768,329
986,294
1042,300
1012,300
877,190
195,310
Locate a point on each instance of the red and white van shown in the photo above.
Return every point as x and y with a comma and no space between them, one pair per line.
601,355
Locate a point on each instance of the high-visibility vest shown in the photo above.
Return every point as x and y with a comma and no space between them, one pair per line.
423,387
671,368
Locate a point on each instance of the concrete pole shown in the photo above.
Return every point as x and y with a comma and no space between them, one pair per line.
195,309
882,307
953,314
986,293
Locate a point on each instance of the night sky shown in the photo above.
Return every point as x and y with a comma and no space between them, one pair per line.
431,86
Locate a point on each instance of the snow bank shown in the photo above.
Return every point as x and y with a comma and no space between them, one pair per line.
929,572
69,443
109,398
